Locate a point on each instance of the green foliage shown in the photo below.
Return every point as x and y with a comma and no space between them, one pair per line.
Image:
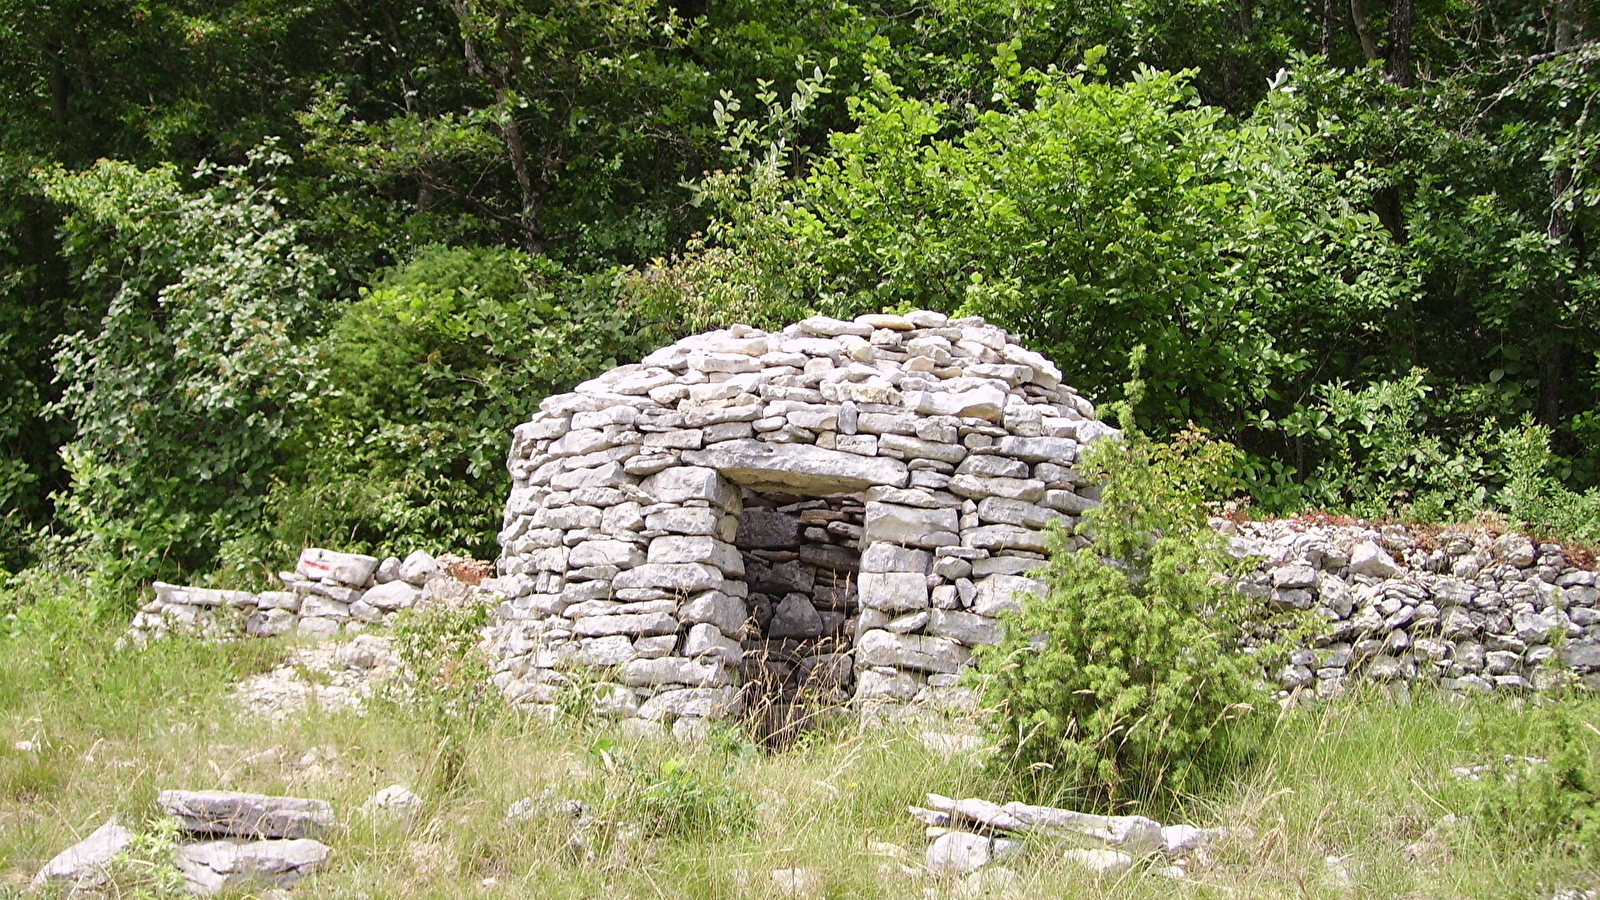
1548,793
1535,497
1089,218
443,666
146,871
180,393
423,378
1125,682
673,798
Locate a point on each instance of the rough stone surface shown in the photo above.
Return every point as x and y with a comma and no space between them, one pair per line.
215,866
792,506
83,865
228,813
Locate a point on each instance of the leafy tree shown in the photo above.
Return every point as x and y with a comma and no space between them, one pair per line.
181,393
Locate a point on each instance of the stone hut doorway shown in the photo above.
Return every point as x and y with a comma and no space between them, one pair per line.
802,563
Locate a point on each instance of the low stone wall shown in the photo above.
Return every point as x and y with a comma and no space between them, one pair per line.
1463,609
328,593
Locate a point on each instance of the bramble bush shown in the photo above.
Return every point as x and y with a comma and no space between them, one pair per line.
1125,682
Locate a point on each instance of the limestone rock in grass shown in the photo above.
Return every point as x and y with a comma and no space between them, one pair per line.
418,567
1180,840
990,881
395,801
794,882
352,569
1367,558
956,853
83,865
1133,834
800,467
246,815
1099,860
215,866
398,594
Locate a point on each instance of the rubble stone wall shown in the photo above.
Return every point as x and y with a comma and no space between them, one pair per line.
1463,609
621,555
328,593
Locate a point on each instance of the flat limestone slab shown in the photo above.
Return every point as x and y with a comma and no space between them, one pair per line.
82,866
797,467
226,813
211,867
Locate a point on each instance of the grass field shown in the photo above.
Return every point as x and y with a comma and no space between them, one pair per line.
1342,802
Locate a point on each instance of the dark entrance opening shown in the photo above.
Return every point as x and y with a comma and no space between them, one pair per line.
801,558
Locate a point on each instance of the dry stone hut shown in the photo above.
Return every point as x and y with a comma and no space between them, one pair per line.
839,506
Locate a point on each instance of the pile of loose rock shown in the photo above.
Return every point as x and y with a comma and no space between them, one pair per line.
1465,609
966,835
230,841
328,593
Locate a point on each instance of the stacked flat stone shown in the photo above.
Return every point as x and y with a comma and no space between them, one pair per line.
619,546
1466,610
327,593
233,841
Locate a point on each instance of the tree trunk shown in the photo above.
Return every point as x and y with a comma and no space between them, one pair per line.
1397,66
499,78
1369,47
1552,366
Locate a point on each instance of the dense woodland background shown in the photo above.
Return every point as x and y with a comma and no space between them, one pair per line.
287,271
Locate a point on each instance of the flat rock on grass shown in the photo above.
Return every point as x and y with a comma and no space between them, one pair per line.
82,865
214,866
225,813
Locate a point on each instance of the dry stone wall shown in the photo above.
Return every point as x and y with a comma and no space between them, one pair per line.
328,593
1467,610
919,458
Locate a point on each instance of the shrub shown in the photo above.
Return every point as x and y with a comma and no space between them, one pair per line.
426,375
1125,682
673,798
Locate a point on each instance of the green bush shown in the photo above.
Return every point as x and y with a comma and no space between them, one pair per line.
673,798
1546,792
1125,683
425,376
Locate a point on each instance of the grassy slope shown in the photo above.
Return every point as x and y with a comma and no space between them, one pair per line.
1358,780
